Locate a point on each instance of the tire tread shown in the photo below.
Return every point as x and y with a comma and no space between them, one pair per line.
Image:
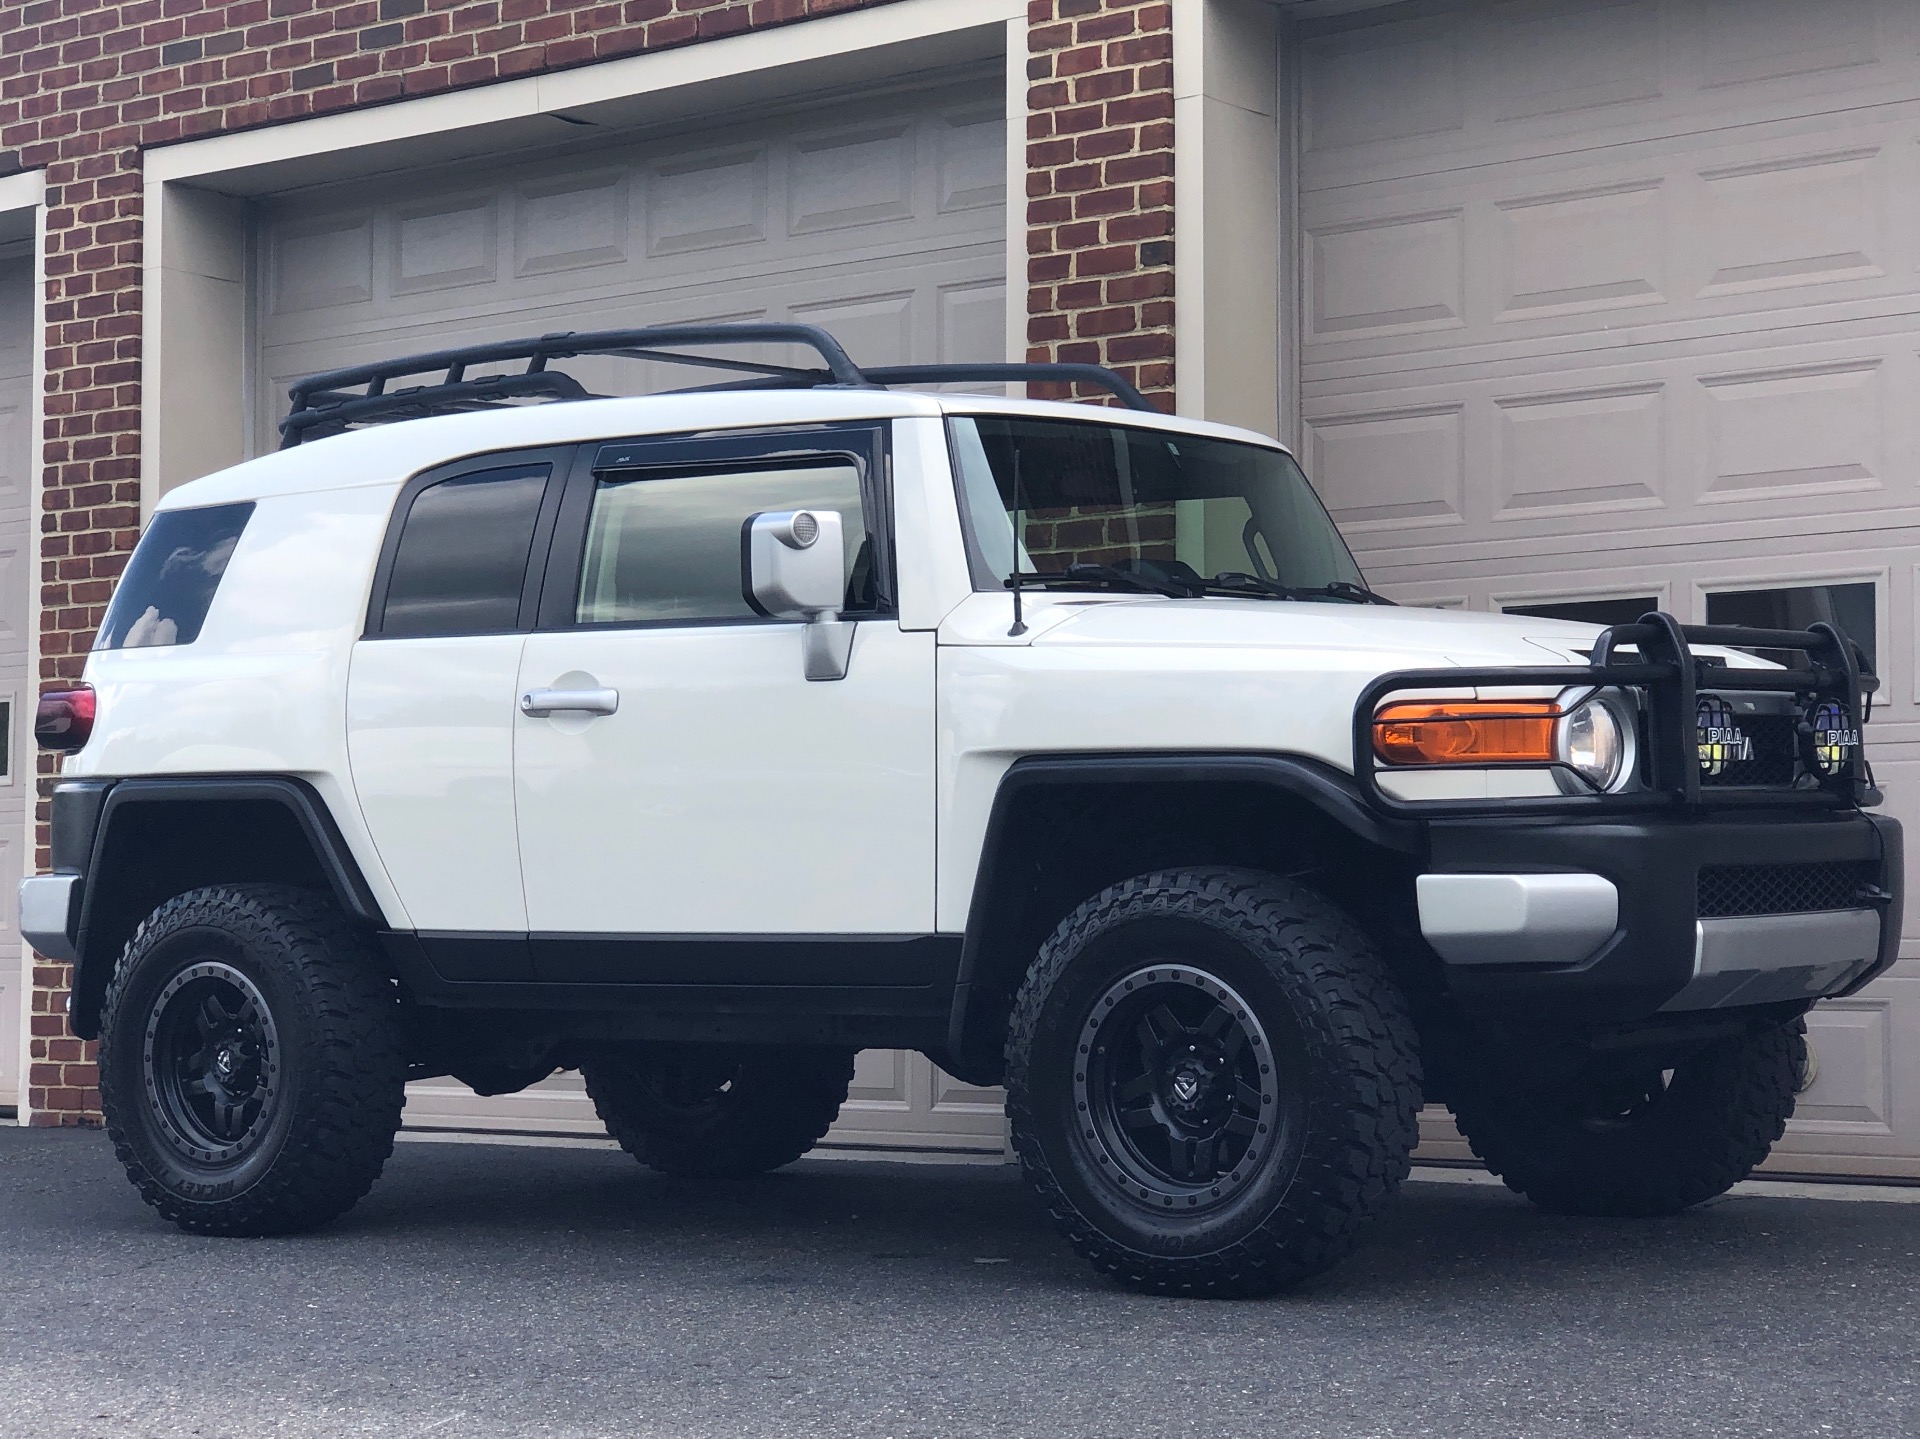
1329,965
353,1096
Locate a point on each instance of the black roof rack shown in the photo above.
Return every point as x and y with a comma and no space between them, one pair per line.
328,403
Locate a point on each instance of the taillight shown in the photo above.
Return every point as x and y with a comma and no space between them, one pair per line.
64,718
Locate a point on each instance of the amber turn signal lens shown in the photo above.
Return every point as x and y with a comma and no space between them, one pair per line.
1465,732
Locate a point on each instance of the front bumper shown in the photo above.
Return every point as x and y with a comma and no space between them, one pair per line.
1601,919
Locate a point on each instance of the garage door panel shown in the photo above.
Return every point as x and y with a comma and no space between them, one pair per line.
1649,438
1745,236
914,177
1532,78
889,311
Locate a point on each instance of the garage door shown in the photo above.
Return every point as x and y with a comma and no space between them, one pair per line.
16,370
1605,303
882,220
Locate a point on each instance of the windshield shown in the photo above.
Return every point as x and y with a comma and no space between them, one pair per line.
1091,493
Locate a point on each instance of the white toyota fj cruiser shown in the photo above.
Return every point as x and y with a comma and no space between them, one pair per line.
700,740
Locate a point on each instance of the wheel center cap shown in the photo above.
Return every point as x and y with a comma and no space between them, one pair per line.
1186,1088
224,1062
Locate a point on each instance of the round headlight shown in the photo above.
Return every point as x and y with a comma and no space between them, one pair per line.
1592,741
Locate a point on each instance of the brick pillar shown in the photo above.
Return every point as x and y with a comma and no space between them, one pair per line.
1100,187
90,511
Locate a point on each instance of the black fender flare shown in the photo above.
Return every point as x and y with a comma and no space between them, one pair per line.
98,803
1329,790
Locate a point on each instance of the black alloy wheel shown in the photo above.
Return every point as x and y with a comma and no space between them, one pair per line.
1637,1145
1180,1088
213,1056
1212,1081
717,1112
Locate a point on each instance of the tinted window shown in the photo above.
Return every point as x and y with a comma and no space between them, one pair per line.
1084,492
1794,608
1593,612
168,587
667,547
462,560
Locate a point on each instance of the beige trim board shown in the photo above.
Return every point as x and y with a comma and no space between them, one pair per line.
23,191
1227,207
23,210
706,78
1016,82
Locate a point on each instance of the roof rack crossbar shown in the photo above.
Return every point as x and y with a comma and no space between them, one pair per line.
335,400
1011,373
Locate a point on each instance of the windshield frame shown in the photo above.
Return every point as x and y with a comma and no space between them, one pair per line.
980,567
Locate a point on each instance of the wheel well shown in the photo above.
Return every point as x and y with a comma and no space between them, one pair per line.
154,849
1055,846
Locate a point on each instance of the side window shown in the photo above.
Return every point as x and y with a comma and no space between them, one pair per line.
461,563
665,546
168,587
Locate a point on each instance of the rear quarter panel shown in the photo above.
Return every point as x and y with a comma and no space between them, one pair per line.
263,689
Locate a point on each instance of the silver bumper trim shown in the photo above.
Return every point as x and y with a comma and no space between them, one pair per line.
1767,958
46,913
1517,918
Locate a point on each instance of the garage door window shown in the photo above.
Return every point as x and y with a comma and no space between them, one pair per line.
461,564
1794,607
665,548
1592,612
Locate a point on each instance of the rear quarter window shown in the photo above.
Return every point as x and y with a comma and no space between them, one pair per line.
169,584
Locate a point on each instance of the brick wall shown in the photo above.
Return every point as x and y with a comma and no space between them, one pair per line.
1100,187
86,86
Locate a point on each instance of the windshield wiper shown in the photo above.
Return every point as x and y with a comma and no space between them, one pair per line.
1343,590
1236,582
1104,577
1177,582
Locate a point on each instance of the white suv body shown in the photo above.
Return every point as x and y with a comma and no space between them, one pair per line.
885,779
1211,857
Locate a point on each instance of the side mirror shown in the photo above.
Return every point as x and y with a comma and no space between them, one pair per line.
793,566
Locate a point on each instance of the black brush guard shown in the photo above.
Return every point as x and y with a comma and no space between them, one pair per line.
1669,675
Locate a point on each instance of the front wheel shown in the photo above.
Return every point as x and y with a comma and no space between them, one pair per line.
718,1113
251,1068
1638,1144
1213,1082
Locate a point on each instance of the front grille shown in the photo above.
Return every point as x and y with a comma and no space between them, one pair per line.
1776,744
1735,889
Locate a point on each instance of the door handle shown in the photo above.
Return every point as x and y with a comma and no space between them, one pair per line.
541,703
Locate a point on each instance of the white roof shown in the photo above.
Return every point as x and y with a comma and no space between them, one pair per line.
386,454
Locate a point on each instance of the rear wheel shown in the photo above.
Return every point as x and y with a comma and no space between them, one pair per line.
1641,1143
251,1069
1213,1082
718,1113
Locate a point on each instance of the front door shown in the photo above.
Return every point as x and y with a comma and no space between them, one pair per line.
685,794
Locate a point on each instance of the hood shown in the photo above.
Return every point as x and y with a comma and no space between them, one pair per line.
1416,637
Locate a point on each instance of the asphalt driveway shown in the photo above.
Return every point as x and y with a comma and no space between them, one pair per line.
494,1291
